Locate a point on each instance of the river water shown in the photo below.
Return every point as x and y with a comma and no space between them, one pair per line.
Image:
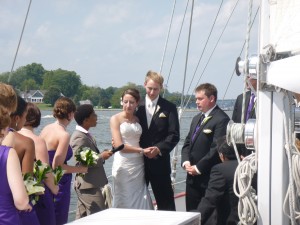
103,137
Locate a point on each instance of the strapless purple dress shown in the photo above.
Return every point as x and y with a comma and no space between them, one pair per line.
8,212
45,208
29,218
62,199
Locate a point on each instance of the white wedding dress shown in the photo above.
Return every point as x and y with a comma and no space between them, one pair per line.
129,185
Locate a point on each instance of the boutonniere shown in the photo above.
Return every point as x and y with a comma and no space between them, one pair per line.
206,119
207,131
162,115
157,109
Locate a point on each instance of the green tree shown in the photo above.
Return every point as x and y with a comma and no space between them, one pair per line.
52,95
29,84
116,98
68,82
106,95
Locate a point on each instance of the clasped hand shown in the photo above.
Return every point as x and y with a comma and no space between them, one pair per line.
190,169
151,152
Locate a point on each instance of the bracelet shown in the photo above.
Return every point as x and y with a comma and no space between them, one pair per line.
142,151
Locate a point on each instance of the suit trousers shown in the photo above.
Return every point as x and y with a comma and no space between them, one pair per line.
193,196
162,190
89,201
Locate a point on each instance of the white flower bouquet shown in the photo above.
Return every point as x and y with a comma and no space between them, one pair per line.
33,188
86,156
58,172
40,170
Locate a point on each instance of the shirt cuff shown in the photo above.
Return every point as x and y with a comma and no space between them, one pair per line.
184,163
197,170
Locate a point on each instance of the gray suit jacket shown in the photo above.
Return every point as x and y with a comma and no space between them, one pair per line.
95,177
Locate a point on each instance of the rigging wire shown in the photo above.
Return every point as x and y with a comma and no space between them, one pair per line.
175,51
174,160
207,40
167,39
246,58
19,43
187,54
233,72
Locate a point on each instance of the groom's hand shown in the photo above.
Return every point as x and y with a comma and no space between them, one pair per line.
154,151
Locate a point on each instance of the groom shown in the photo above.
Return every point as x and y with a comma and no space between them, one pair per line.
159,120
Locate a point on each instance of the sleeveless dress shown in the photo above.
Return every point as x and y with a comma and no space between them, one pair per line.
45,208
27,218
62,199
8,212
129,186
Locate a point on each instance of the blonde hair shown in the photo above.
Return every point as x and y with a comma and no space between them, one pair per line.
156,77
8,97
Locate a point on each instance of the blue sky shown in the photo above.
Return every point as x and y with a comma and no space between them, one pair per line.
111,43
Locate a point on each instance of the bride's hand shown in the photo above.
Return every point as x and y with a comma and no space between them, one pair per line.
151,152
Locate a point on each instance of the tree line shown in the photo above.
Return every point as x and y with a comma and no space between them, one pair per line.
56,82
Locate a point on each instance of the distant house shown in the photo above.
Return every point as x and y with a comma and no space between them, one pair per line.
34,96
85,102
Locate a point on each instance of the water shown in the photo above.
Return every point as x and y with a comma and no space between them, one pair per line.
103,137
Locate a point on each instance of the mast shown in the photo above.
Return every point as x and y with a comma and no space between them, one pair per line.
276,81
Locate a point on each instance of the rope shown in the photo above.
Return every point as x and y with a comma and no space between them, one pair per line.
289,206
247,209
19,43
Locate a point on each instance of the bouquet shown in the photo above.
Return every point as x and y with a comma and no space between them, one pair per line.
33,187
40,170
58,172
86,156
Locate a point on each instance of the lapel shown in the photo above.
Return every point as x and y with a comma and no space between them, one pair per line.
204,123
156,111
93,143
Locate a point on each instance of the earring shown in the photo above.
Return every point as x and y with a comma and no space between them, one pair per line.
16,125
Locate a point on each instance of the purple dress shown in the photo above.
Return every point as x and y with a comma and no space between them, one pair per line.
45,208
29,218
8,212
62,199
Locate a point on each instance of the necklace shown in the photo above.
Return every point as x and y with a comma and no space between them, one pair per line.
60,124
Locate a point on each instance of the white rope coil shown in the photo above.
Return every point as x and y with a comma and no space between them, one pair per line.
247,208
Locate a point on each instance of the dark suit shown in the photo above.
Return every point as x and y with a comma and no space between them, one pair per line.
237,111
88,187
237,117
202,152
220,196
163,132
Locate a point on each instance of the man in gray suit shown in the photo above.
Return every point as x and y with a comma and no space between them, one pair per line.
89,186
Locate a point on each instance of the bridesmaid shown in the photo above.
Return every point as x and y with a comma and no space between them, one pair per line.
24,147
45,206
57,141
13,196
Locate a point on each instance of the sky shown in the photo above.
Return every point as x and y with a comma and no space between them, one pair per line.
111,43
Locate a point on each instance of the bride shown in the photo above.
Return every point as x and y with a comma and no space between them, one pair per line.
129,185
